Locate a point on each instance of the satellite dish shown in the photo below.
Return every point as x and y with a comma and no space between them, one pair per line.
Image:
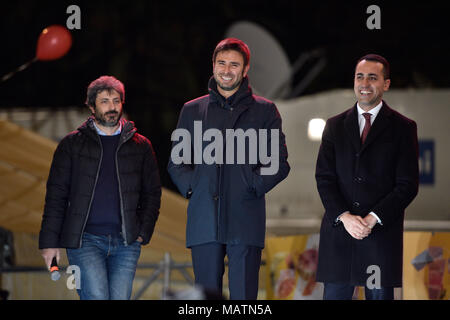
270,69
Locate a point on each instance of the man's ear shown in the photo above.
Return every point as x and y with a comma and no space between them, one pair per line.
92,109
387,84
247,67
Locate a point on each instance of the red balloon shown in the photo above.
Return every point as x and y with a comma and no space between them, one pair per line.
53,43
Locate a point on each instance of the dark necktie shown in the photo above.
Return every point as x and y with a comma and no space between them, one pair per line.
366,127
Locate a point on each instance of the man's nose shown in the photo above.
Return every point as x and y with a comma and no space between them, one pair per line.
111,106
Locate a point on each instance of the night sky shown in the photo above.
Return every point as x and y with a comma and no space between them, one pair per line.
161,50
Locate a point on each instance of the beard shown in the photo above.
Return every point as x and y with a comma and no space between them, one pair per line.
231,87
107,119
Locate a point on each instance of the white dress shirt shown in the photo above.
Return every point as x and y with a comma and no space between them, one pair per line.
362,120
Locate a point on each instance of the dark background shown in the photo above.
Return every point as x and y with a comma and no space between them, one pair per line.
161,50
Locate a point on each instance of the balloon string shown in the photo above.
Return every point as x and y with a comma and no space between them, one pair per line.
21,68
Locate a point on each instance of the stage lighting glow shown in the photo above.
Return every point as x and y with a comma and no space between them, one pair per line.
315,129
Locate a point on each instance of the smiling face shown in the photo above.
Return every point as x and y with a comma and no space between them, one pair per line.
370,84
228,71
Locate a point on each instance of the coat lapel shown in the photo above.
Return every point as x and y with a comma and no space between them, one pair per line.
378,126
352,127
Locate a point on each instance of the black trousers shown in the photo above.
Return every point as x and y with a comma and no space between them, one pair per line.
243,268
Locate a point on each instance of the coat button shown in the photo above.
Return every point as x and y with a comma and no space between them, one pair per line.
216,197
356,204
357,155
358,179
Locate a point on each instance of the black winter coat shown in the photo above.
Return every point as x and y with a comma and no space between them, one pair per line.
380,176
227,201
73,176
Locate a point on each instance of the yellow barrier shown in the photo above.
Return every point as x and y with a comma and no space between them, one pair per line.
292,263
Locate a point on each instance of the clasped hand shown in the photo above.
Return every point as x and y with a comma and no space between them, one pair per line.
358,227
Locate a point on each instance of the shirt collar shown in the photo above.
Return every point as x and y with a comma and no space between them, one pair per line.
373,111
101,133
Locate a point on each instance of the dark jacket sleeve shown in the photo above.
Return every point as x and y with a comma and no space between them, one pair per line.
181,173
263,183
150,197
406,178
326,177
56,199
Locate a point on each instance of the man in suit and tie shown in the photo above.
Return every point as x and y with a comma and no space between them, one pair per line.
367,174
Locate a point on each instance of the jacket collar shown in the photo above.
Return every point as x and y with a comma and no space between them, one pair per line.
128,128
242,96
352,126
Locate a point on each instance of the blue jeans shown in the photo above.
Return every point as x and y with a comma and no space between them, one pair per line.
107,267
335,291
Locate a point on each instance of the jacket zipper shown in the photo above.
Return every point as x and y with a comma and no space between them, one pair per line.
120,195
93,191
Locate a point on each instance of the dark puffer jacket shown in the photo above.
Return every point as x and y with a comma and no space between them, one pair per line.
73,176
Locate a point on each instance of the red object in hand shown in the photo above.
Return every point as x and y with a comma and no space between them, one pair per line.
53,43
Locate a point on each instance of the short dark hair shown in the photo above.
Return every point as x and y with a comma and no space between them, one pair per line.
380,59
104,83
233,44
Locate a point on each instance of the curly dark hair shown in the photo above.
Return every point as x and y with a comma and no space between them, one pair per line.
104,83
